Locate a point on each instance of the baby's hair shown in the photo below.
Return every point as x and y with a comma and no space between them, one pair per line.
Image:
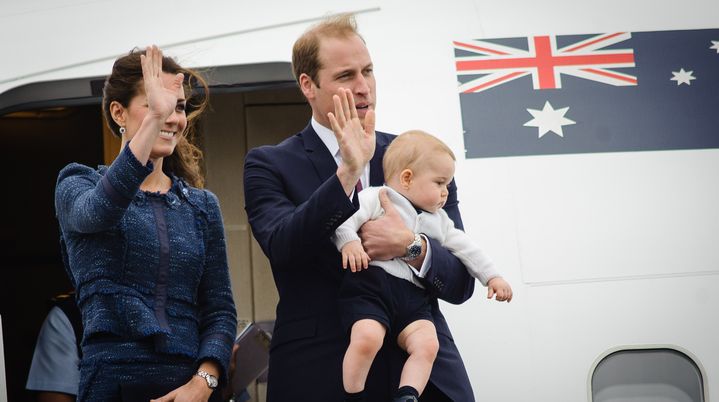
408,150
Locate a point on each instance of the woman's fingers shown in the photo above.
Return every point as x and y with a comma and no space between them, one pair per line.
156,61
151,62
148,61
177,83
145,68
150,53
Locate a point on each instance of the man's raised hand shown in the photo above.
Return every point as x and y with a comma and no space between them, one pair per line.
356,142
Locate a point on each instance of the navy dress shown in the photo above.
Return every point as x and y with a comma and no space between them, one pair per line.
151,277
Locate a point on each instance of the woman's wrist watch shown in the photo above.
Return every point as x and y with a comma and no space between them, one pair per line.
211,379
414,249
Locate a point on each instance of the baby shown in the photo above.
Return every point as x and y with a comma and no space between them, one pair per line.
418,169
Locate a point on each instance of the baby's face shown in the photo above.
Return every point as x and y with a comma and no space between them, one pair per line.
428,186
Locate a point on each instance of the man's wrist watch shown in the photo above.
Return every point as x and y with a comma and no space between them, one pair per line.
414,249
211,379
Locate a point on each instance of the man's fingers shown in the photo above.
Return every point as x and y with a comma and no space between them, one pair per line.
346,96
339,113
353,108
344,261
490,292
335,126
369,119
343,106
386,203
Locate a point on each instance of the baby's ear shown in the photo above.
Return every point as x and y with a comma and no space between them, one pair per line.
405,178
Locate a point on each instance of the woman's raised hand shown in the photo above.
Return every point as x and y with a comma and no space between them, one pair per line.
161,99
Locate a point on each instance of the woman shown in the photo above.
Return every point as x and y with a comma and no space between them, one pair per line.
145,248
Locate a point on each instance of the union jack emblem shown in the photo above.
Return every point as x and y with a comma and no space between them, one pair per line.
498,64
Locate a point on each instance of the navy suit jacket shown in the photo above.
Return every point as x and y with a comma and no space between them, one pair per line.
294,202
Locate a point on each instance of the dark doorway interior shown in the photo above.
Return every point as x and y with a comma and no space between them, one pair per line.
35,146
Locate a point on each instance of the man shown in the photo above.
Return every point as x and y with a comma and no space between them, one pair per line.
55,373
298,192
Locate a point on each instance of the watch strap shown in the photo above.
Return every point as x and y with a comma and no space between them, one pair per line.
209,378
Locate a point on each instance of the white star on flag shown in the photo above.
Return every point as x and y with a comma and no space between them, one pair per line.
683,77
715,45
549,119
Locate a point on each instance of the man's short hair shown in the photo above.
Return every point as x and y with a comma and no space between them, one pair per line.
409,150
305,52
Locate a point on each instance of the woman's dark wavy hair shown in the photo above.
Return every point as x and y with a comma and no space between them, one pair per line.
125,82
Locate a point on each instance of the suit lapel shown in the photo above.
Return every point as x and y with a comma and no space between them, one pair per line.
318,154
376,173
325,164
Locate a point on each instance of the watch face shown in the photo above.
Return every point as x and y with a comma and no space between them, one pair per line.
211,379
414,251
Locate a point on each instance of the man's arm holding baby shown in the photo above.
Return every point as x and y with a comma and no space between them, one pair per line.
443,274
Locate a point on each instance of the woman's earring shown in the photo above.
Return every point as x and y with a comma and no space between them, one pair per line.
122,130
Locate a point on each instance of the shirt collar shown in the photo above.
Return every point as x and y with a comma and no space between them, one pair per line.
327,136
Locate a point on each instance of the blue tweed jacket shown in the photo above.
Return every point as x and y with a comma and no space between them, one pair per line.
145,264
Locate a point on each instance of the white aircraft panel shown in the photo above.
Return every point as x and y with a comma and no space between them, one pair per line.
623,215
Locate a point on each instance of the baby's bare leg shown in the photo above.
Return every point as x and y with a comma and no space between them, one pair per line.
419,340
365,341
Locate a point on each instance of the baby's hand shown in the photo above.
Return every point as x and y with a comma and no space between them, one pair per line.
354,254
499,287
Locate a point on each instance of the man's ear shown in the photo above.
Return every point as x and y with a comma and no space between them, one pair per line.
307,86
405,178
118,113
